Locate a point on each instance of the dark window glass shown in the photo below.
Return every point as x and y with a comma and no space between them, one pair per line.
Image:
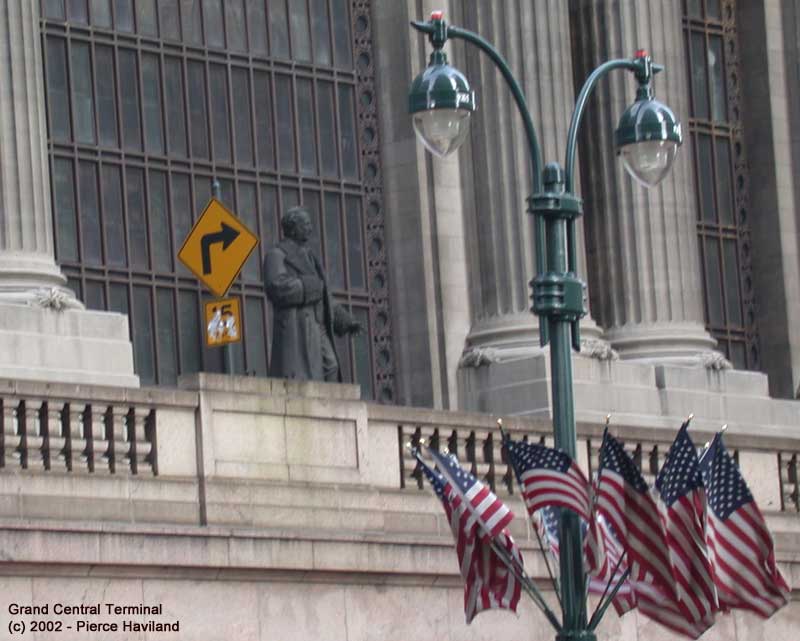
89,213
257,27
181,214
76,11
189,313
95,295
58,89
724,182
343,48
716,68
312,203
284,109
713,9
264,140
279,29
269,216
197,109
113,222
218,85
54,9
106,97
151,96
159,218
142,322
192,21
202,193
118,298
344,352
738,355
227,194
347,132
361,354
123,15
129,81
101,13
713,283
301,41
254,338
731,271
355,244
234,23
706,177
699,76
176,112
305,123
321,32
290,197
212,14
75,285
695,8
333,241
137,224
64,200
248,214
242,116
146,19
169,19
82,94
326,113
167,352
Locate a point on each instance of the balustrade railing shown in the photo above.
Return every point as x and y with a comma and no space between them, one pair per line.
480,451
68,435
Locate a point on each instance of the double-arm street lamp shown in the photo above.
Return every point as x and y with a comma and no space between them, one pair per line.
647,139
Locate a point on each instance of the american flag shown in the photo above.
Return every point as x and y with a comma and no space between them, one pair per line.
680,487
490,513
549,477
624,500
488,583
742,554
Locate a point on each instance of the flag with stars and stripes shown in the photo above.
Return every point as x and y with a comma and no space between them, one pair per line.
624,500
549,477
742,553
547,519
486,509
680,488
488,582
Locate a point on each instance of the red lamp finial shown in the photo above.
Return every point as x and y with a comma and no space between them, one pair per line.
437,15
640,53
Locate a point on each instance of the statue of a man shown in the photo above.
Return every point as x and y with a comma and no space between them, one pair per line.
305,318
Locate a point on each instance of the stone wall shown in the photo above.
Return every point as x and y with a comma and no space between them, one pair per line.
273,510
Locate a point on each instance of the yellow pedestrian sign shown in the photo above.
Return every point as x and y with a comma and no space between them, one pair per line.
217,247
223,322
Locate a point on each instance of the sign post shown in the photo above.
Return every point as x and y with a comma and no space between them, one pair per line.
215,251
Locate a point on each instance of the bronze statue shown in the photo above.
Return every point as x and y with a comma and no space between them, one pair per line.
306,318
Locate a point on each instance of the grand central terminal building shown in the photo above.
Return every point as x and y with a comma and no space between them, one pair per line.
139,467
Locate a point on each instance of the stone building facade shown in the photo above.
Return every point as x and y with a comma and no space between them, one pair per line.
131,468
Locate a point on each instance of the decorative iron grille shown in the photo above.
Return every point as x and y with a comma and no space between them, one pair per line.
149,101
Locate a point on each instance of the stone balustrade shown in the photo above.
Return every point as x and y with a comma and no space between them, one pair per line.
300,502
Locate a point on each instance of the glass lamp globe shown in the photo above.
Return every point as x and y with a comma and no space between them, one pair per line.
441,102
442,130
647,138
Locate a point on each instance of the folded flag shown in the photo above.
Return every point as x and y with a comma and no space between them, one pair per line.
489,511
680,487
488,583
742,553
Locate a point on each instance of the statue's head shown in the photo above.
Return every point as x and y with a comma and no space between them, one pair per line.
296,224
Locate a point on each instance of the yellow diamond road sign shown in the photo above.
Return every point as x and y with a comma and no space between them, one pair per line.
217,247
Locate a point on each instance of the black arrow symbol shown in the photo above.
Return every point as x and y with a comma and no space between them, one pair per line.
226,235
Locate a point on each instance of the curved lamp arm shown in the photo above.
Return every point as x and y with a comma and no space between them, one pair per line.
640,66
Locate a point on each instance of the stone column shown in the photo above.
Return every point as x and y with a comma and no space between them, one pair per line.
45,334
534,39
27,264
644,272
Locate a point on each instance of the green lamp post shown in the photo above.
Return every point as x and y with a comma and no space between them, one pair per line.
647,139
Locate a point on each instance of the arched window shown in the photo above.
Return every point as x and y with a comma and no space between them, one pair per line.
149,100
